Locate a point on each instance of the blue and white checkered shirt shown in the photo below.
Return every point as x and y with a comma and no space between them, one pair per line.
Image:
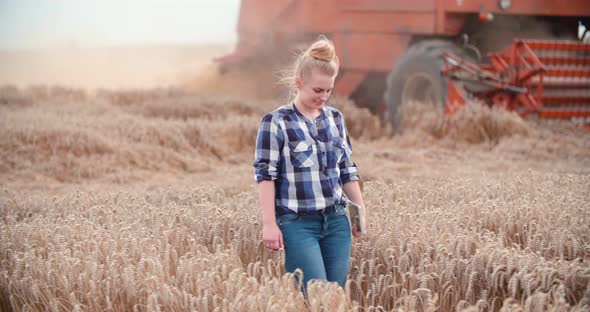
308,161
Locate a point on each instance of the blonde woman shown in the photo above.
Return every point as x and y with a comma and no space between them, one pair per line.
303,166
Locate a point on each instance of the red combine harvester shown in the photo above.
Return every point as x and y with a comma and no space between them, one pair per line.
441,52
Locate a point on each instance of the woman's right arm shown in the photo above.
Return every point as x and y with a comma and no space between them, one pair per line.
269,143
271,234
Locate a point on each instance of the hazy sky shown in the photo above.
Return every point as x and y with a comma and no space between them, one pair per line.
50,23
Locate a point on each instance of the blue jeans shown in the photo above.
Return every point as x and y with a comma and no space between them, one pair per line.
318,244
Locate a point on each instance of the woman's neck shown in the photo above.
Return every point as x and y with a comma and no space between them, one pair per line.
311,114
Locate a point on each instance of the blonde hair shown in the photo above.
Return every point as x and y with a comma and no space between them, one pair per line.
321,55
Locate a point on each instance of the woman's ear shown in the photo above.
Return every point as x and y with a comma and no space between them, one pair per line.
298,82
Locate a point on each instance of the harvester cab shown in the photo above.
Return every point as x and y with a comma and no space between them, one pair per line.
583,33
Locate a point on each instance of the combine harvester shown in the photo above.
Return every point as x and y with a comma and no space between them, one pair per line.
443,52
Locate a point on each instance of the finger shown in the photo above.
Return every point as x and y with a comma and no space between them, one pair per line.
281,243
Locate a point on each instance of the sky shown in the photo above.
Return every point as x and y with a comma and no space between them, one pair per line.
29,24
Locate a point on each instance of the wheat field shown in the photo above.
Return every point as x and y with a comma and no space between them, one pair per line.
144,200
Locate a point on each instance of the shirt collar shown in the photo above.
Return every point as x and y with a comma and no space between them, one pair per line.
322,115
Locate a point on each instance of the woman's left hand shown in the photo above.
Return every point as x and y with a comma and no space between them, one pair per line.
356,231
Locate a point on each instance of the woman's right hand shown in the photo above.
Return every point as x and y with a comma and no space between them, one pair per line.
272,236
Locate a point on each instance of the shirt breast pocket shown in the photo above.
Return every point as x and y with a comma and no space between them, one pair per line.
338,149
301,154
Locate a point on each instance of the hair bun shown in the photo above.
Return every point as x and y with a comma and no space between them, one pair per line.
324,50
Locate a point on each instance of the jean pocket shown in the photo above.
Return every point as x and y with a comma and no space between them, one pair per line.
288,219
301,154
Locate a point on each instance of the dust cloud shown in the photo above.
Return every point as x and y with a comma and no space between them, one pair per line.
120,67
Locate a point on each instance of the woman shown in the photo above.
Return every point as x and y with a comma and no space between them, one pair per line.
303,166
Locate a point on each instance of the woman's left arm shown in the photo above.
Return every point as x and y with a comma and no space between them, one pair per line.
349,174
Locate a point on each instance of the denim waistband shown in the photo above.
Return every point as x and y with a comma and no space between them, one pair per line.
327,210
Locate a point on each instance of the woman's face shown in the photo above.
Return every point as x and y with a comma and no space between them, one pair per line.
315,90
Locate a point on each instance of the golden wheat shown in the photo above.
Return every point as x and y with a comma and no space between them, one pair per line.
145,201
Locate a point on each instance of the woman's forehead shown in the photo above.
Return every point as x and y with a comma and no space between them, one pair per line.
320,80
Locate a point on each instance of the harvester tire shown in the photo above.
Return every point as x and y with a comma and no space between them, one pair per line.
416,78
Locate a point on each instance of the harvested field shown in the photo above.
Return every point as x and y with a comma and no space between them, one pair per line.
144,200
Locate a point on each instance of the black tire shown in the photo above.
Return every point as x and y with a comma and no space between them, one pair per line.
416,78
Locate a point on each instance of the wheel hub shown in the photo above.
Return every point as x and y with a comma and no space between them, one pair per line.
419,88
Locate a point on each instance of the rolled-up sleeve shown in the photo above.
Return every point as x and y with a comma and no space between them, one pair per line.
348,169
269,143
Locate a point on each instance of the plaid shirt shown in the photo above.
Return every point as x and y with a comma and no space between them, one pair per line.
308,161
